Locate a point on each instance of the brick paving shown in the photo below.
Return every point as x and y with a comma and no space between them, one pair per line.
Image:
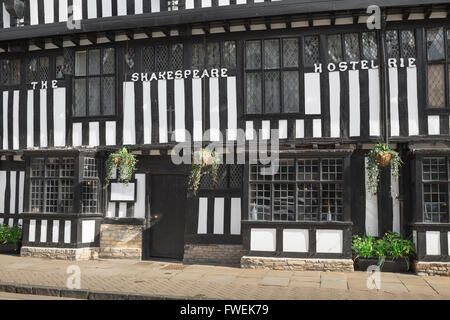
217,282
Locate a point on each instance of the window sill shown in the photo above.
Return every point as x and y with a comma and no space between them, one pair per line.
37,215
305,224
124,221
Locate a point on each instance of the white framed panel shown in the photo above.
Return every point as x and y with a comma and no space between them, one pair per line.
329,241
263,239
88,231
433,243
295,240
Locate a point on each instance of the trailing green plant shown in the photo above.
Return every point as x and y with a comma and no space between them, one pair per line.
10,234
204,161
380,156
390,246
125,164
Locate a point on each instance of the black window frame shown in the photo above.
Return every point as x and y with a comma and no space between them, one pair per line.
9,82
438,181
281,69
78,179
101,75
446,65
46,178
344,215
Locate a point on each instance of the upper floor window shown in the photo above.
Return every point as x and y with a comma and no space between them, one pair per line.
161,58
272,76
400,44
38,69
349,47
9,72
438,56
435,184
302,190
214,55
94,83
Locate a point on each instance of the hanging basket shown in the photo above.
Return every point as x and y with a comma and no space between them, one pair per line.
383,158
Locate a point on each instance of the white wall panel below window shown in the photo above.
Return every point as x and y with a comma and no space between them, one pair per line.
263,239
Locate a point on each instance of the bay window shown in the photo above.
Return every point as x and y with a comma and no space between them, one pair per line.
54,182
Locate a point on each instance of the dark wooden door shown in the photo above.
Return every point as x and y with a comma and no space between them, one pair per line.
167,210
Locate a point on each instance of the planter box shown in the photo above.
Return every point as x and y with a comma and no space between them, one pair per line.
399,265
10,248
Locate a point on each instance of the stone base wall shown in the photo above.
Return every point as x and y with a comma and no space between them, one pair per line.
295,264
60,253
217,254
432,268
120,241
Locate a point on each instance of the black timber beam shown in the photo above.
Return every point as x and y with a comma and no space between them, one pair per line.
204,15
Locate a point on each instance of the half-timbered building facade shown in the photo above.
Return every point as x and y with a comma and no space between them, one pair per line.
81,78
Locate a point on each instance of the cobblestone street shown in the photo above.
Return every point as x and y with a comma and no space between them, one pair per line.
201,281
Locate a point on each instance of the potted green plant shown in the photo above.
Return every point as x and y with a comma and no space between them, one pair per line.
391,253
10,238
204,161
381,156
124,163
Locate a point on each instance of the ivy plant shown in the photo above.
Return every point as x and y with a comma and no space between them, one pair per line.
125,164
204,161
375,158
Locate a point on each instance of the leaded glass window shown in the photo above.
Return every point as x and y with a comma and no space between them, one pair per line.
176,56
435,44
392,45
272,76
198,55
311,51
335,48
302,190
438,73
90,186
94,83
213,55
59,67
229,176
162,58
369,46
351,47
217,55
435,189
229,54
38,69
10,72
51,185
408,44
400,44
